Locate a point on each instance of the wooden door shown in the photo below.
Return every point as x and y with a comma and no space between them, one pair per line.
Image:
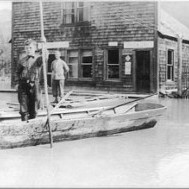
143,71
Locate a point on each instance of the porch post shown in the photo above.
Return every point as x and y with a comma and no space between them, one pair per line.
179,82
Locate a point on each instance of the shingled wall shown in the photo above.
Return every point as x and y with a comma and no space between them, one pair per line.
164,45
109,21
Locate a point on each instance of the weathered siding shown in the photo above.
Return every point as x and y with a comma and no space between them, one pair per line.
164,45
122,21
109,21
185,65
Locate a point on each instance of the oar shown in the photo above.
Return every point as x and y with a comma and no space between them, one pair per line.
113,107
57,106
62,100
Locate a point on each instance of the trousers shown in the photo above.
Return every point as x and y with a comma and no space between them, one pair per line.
58,88
29,98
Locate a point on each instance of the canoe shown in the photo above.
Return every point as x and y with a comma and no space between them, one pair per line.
78,123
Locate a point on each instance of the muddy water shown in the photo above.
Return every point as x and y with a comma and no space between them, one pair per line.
156,157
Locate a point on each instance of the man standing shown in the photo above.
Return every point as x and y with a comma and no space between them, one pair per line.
59,69
29,81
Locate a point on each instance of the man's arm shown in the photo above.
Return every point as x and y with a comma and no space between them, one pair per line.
65,66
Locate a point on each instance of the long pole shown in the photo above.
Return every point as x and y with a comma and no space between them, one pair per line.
45,74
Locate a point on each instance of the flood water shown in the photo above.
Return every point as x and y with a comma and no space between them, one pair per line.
156,157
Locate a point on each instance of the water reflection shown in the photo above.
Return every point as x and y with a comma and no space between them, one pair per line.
156,157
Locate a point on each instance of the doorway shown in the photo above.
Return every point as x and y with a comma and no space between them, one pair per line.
143,71
50,60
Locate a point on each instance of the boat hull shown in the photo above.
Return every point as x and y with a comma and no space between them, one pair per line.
71,127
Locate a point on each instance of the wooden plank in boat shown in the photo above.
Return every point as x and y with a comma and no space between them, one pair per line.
6,114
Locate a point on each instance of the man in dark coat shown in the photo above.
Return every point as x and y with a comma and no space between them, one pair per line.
29,81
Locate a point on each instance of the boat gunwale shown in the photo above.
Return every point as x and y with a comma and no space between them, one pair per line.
88,116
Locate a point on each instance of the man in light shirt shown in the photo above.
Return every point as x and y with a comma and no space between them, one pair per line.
59,69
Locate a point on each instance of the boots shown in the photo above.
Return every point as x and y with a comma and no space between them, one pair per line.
55,100
24,117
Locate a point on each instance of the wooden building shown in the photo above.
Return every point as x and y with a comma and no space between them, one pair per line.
118,46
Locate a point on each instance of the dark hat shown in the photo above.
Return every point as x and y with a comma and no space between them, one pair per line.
30,41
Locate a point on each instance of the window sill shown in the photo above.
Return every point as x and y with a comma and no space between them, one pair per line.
84,23
86,79
72,79
113,80
170,81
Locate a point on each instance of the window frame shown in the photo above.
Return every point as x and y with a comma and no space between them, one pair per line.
171,66
78,65
81,63
65,14
76,13
106,65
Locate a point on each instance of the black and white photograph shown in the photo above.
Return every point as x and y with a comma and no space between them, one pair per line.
94,94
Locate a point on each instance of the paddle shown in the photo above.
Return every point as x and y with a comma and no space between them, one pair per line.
62,100
113,107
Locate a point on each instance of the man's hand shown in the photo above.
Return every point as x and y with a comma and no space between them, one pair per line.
31,84
16,87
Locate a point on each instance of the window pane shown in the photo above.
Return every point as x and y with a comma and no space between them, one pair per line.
87,71
87,53
73,72
69,13
86,64
170,57
170,65
73,60
67,19
80,14
113,72
87,59
80,11
75,11
73,53
73,63
113,57
168,72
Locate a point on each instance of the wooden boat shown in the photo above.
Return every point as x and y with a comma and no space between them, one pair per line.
78,123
